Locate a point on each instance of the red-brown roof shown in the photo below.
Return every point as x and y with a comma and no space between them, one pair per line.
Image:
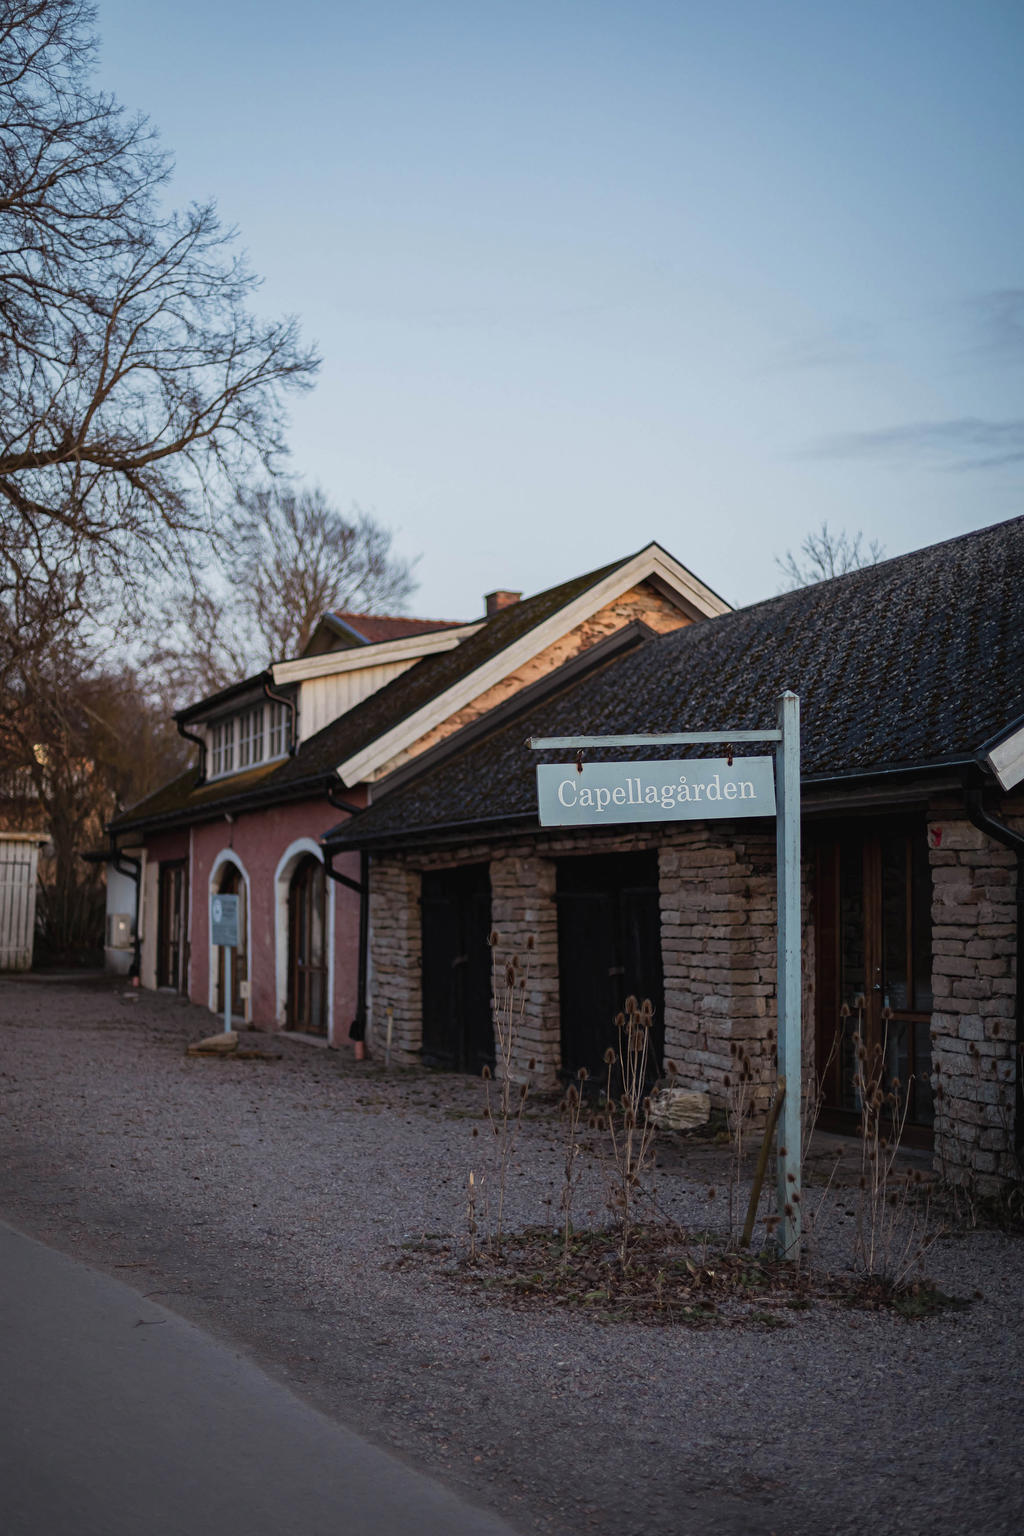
374,627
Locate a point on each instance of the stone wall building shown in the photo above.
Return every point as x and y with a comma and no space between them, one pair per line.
911,681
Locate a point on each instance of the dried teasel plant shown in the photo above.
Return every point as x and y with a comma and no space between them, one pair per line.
630,1127
572,1109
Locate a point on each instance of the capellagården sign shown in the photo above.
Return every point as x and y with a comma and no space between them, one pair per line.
693,790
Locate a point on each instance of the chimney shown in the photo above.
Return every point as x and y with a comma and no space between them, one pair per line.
494,602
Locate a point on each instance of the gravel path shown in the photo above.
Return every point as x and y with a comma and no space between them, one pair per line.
269,1201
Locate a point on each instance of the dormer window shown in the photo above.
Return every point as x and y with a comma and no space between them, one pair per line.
250,737
255,735
223,744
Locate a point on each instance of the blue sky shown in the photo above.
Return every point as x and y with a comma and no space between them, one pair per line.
588,274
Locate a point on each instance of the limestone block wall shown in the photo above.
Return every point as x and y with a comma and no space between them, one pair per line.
525,918
974,968
642,602
718,905
395,960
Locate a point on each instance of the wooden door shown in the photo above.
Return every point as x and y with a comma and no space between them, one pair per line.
458,1028
307,948
172,910
874,961
609,946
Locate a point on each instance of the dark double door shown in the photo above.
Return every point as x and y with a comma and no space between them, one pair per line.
458,1031
874,963
609,946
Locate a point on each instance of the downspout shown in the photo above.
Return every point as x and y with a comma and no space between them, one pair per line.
200,741
134,874
288,701
1014,840
357,1029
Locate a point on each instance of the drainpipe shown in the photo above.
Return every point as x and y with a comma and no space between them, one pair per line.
357,1029
1015,840
134,874
200,741
288,700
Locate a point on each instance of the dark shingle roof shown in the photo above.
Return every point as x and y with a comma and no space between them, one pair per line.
914,662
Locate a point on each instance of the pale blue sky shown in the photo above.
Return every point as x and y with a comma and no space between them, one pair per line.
588,274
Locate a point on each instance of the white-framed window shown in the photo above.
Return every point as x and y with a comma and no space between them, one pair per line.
222,742
250,737
255,735
277,730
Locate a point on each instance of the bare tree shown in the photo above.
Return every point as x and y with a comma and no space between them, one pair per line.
135,384
298,557
825,554
78,741
288,556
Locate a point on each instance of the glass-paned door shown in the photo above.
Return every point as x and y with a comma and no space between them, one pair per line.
873,936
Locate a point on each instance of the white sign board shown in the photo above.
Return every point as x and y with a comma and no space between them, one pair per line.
224,921
697,789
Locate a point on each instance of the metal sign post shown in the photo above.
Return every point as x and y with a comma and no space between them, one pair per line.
626,792
224,932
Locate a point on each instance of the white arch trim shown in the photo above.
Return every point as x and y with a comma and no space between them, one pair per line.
229,856
282,879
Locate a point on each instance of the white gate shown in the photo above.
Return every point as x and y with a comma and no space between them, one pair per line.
19,858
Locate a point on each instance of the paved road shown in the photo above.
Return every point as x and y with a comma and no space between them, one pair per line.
119,1419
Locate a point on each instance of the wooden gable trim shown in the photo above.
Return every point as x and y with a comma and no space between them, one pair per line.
1007,759
408,649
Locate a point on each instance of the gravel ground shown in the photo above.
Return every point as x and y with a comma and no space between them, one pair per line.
269,1201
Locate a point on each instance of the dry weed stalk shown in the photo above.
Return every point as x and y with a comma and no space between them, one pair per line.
571,1109
505,1117
630,1126
742,1093
891,1232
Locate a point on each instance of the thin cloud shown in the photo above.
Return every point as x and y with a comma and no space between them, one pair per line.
968,443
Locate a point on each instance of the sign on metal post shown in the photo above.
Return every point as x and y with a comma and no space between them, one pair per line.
692,790
601,794
224,931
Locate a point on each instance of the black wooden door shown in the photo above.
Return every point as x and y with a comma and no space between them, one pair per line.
874,960
458,1032
609,946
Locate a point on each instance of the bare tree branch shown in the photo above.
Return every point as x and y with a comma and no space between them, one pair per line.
826,554
135,385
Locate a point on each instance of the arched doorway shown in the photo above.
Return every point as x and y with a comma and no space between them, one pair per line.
232,883
307,948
